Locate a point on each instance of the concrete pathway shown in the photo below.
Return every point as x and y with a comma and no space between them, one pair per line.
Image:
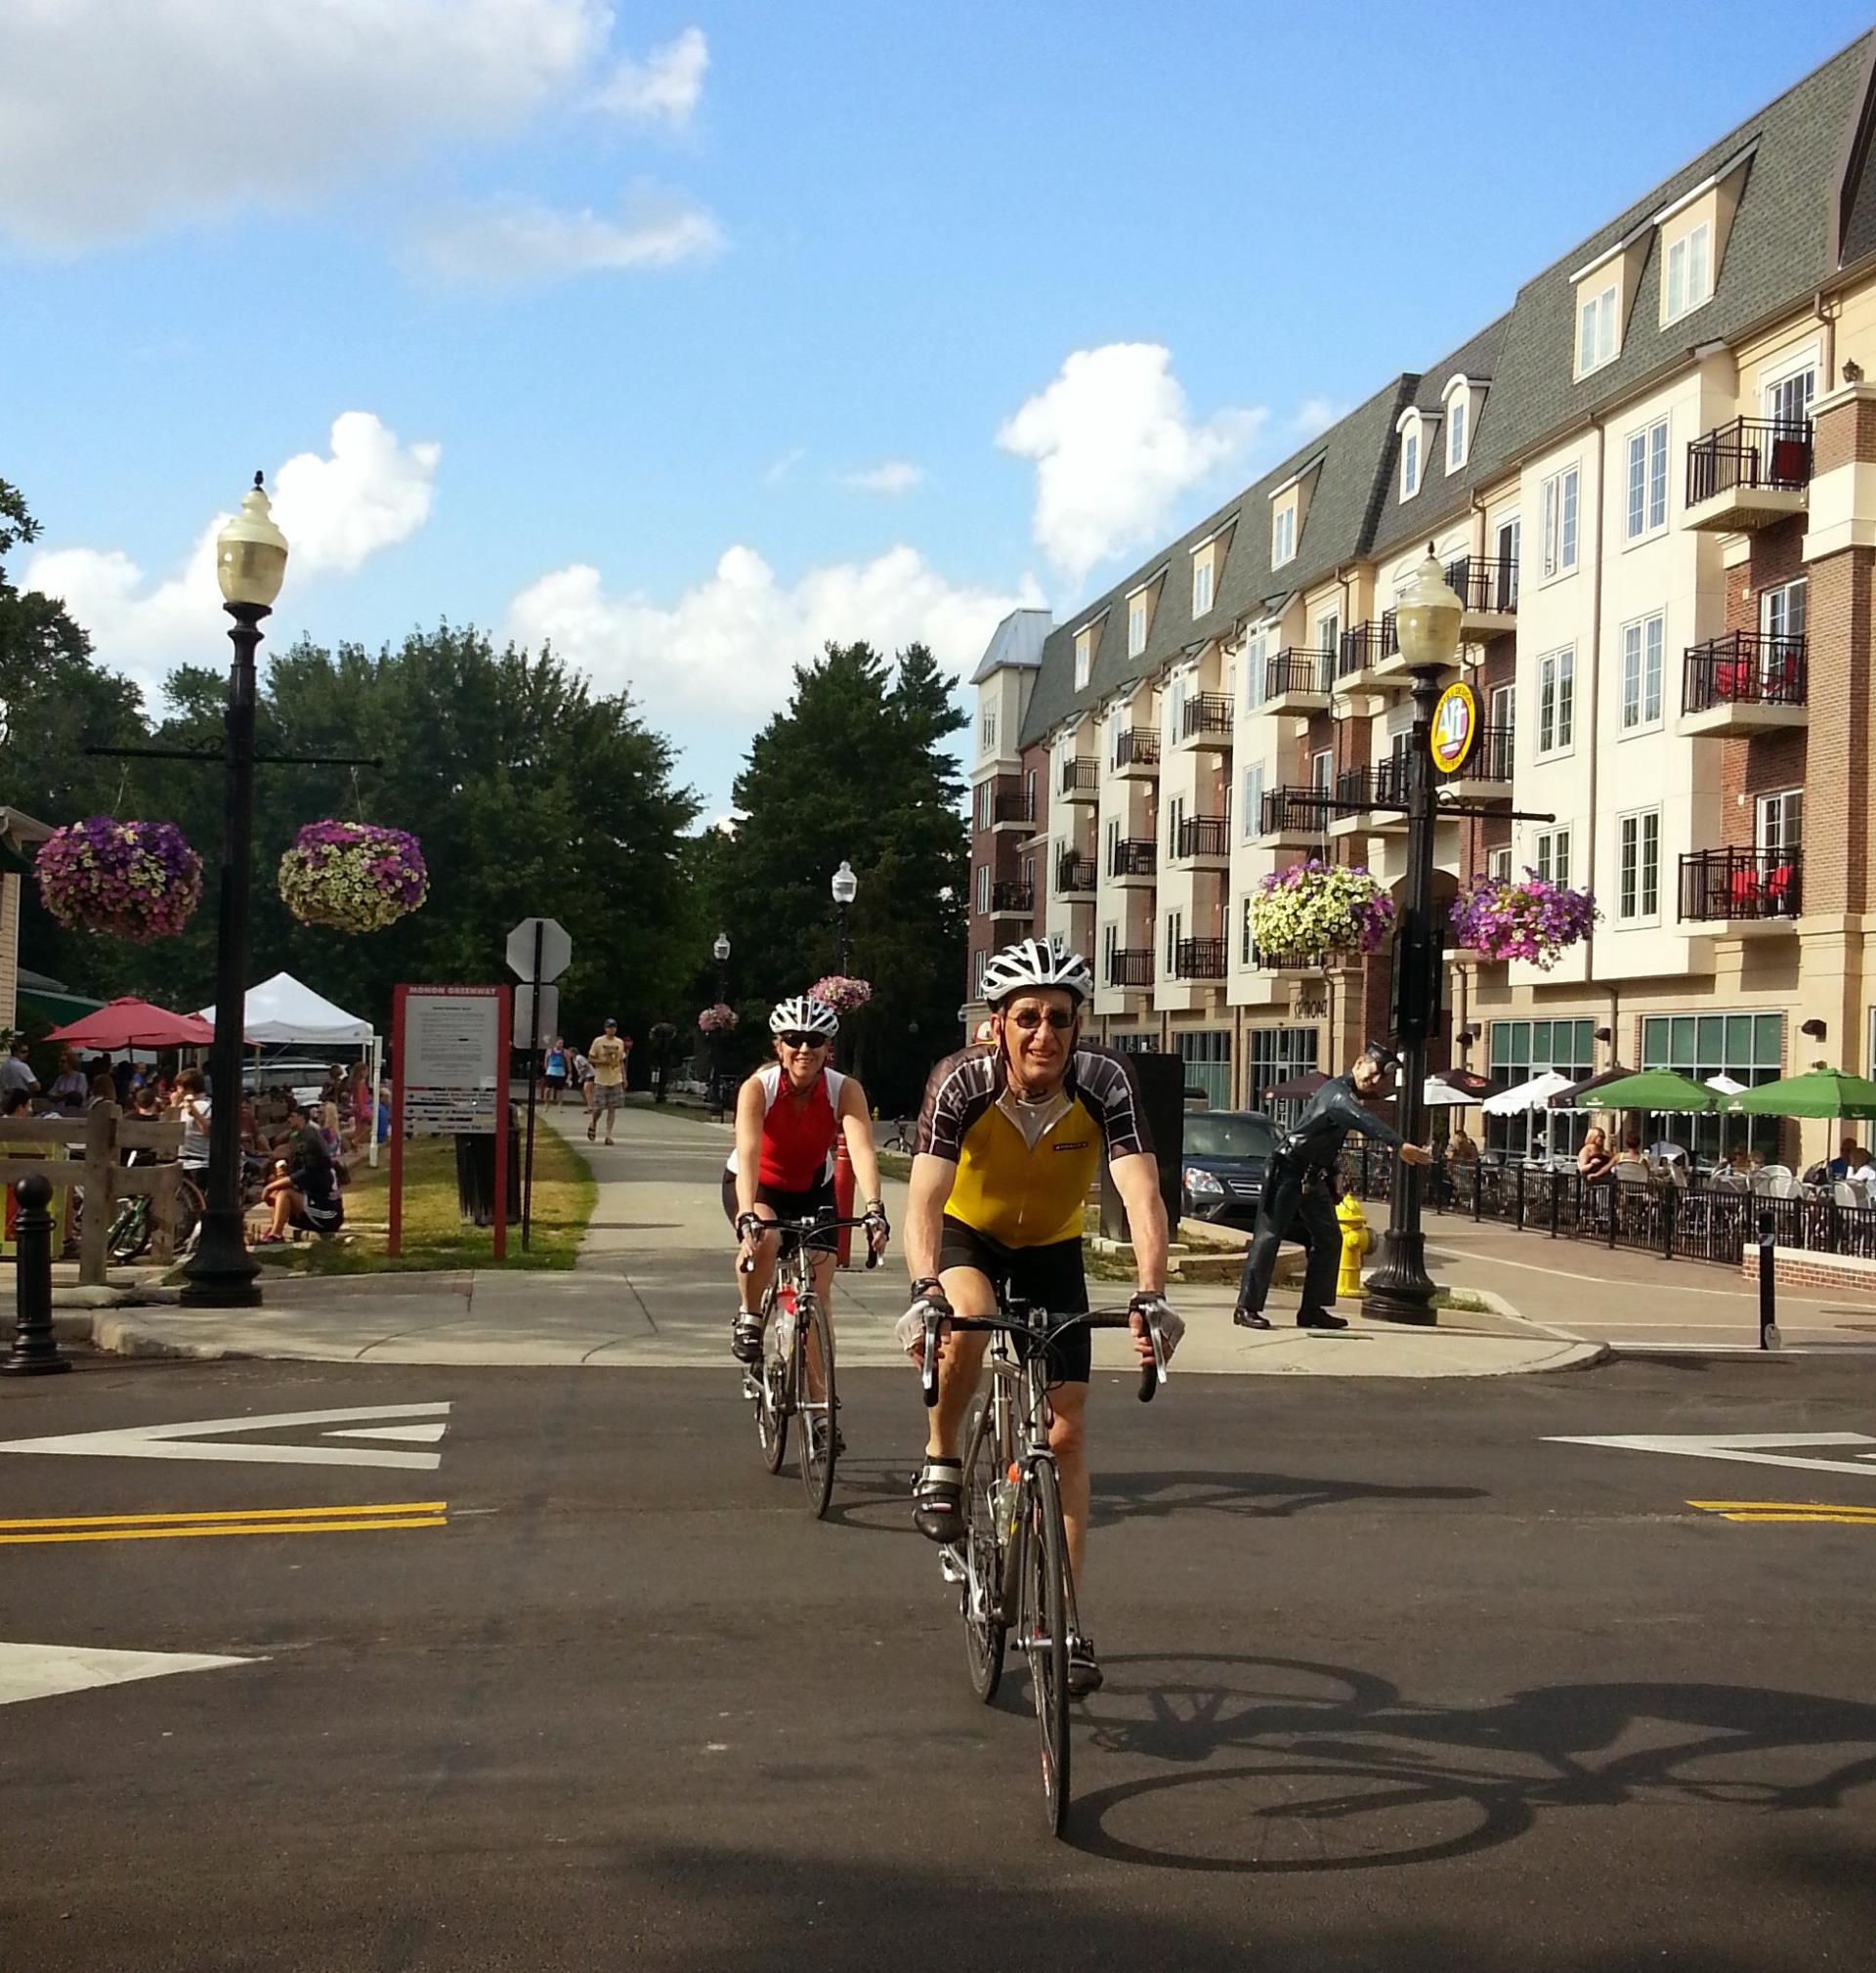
652,1289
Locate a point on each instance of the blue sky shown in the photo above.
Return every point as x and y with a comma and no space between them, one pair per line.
688,337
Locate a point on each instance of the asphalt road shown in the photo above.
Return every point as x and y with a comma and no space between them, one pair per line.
1392,1681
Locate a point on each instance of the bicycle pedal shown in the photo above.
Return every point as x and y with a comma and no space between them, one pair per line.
950,1563
751,1388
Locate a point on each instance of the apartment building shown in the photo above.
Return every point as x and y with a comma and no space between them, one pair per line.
1653,482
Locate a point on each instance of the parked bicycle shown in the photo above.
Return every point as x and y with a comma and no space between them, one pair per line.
133,1226
1011,1567
795,1376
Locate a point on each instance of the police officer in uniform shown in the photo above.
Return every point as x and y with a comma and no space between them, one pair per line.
1298,1200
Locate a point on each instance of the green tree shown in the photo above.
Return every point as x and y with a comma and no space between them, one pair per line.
854,767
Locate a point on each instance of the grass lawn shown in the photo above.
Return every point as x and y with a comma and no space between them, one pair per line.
435,1233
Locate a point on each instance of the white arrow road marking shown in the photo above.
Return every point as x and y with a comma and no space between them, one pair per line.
193,1440
43,1671
1743,1447
424,1435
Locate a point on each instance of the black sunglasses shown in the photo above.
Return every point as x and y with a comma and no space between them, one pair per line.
796,1039
1031,1018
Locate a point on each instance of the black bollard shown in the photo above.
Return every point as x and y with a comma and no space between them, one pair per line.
1768,1286
36,1349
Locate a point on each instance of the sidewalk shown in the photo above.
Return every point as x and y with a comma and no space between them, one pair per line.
652,1289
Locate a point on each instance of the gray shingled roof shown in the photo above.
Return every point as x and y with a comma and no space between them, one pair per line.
1443,494
1016,641
1354,453
1778,250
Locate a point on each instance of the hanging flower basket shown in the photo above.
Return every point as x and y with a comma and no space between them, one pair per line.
843,995
352,877
663,1034
719,1019
1314,910
138,880
1529,918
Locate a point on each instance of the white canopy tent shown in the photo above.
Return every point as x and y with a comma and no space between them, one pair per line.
284,1010
1521,1096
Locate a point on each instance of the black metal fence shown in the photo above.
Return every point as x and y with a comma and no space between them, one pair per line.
1751,453
1679,1222
1744,667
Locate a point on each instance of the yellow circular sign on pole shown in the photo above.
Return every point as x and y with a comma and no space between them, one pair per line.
1455,727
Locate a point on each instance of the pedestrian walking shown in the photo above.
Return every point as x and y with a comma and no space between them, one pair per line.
15,1072
608,1058
556,1071
1298,1195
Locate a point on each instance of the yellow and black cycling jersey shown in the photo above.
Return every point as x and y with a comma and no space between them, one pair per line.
1024,1169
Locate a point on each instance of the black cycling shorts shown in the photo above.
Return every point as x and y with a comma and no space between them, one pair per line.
1052,1277
816,1203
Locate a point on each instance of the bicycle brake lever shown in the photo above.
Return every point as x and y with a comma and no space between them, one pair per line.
928,1369
1152,1375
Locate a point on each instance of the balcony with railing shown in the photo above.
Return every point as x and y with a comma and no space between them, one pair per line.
1744,682
1742,890
1075,875
1298,680
1203,840
1011,810
1371,800
1286,962
1488,589
1486,771
1748,474
1206,723
1012,900
1132,967
1134,861
1136,754
1369,658
1294,818
1080,777
1198,959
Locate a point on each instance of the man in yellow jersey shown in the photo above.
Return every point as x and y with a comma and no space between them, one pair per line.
1010,1138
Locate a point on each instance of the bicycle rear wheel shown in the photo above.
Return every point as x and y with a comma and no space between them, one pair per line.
130,1231
983,1583
819,1414
1046,1636
771,1375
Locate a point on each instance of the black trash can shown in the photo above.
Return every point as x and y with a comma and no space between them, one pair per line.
476,1177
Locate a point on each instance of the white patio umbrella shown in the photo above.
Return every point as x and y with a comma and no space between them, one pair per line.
1725,1085
1439,1095
1522,1097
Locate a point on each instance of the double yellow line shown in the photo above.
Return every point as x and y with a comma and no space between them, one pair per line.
1793,1512
232,1521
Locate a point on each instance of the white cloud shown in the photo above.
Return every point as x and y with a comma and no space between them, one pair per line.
890,477
726,650
1315,415
778,470
663,88
117,119
516,240
1115,447
366,492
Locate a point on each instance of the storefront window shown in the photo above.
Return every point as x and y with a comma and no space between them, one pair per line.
1522,1051
1748,1047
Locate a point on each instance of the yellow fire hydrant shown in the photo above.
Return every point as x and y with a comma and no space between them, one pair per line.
1356,1240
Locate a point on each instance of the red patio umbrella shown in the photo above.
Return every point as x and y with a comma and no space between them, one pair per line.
131,1023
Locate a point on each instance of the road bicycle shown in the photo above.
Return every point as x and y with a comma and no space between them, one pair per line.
133,1226
1011,1567
795,1376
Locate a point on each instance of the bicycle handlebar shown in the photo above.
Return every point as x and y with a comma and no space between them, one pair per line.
1152,1375
803,1229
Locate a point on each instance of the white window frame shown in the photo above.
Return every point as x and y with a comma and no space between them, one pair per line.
1557,678
1283,534
1775,612
1787,805
1328,635
1636,874
983,888
1410,462
1253,670
1175,927
1136,626
988,725
1498,864
1201,586
1253,799
1642,677
1644,489
1551,855
1110,945
984,798
1458,417
981,958
1562,520
1501,708
1083,660
1693,271
1597,342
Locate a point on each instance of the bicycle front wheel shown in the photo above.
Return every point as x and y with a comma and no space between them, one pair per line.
815,1400
1045,1635
772,1390
983,1585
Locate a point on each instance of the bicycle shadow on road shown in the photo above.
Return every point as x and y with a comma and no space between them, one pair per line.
1260,1496
1330,1768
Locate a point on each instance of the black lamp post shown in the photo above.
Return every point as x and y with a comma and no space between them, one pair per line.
250,563
845,887
1426,624
721,951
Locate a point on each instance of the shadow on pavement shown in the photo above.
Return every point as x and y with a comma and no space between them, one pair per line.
1261,1497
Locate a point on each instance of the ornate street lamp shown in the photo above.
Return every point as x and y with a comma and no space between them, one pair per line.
721,951
1426,617
250,564
845,887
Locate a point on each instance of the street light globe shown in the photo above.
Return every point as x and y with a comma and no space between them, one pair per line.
251,553
722,947
845,886
1427,616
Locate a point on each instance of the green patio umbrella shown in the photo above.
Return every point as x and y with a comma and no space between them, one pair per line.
1818,1092
1660,1090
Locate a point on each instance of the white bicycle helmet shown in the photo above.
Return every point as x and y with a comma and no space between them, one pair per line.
802,1014
1034,962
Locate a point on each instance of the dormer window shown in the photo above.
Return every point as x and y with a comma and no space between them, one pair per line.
1462,398
1200,588
1283,536
1136,626
1410,463
1085,640
1689,273
1595,330
1418,433
1456,435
